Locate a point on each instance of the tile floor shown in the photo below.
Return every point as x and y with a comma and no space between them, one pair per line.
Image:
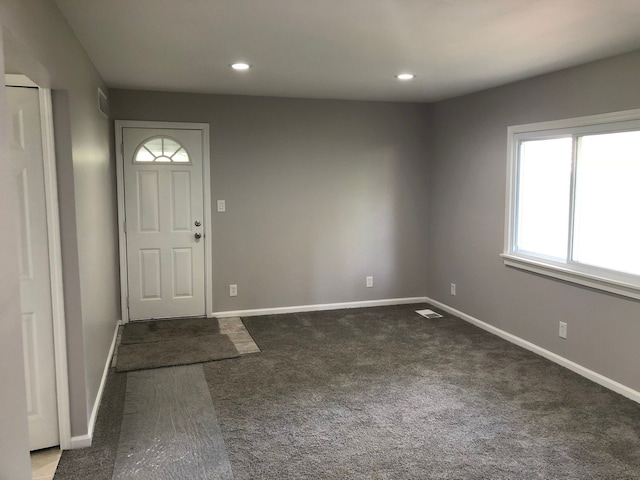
235,329
44,463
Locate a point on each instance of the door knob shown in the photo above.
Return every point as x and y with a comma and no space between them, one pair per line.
198,236
197,223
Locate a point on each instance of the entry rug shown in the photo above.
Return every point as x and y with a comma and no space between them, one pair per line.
176,351
160,330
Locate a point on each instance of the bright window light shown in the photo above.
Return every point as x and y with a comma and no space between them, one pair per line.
607,202
574,199
544,182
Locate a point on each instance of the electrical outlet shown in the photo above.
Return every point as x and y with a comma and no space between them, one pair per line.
562,332
222,206
233,290
453,289
369,282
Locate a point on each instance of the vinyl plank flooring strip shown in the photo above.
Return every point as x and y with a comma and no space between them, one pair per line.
170,429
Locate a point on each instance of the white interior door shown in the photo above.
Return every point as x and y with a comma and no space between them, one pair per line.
35,278
164,207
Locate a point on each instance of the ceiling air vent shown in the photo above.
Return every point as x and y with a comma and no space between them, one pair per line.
103,103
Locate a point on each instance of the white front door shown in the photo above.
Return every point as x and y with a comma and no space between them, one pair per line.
164,208
35,278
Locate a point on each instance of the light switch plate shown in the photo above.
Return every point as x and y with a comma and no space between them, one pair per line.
222,207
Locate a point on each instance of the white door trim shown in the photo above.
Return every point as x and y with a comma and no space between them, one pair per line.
206,185
55,255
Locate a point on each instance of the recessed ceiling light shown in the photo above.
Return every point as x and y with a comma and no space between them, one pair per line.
405,76
240,66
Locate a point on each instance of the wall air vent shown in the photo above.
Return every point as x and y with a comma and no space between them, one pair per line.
103,103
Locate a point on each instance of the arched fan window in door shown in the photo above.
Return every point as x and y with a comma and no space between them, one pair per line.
161,150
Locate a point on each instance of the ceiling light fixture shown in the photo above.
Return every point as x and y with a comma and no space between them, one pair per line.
405,76
240,66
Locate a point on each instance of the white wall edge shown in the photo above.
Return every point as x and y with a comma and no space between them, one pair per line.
532,347
122,239
18,80
80,441
55,269
316,307
83,441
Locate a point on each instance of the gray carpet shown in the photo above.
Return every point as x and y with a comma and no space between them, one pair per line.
382,393
158,330
178,351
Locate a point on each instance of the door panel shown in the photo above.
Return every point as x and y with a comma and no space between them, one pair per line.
181,202
182,272
33,258
164,208
148,201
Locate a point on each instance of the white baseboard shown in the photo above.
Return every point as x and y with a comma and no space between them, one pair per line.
554,357
82,441
316,307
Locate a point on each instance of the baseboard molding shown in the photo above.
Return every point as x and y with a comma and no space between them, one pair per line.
554,357
82,441
317,307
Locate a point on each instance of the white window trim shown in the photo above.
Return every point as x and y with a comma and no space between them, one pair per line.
581,275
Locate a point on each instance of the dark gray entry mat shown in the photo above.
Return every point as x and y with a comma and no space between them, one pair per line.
178,351
169,428
384,393
158,330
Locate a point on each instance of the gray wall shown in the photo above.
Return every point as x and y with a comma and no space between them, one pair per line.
467,213
42,46
319,195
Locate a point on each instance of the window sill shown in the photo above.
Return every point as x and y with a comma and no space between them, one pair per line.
594,281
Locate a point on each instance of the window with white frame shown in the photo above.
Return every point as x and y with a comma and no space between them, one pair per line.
573,206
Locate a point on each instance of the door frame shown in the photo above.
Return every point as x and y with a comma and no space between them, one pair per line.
55,254
206,190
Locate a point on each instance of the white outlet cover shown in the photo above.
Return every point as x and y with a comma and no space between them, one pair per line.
562,331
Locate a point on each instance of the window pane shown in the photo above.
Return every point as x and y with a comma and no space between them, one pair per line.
144,155
155,146
180,156
161,150
170,147
544,181
607,227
